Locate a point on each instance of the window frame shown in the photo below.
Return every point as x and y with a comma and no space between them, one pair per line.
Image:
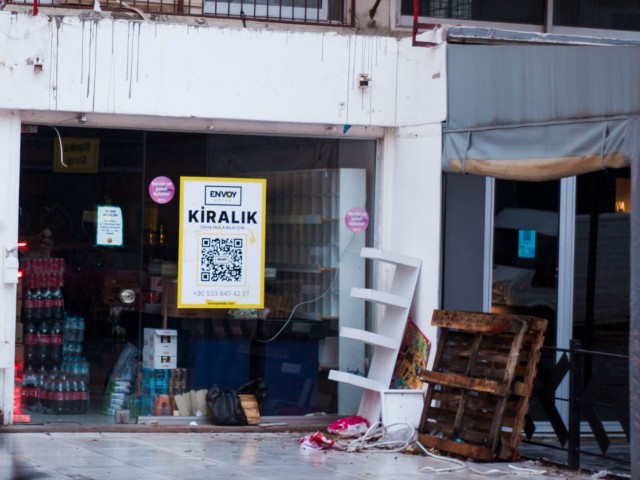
406,21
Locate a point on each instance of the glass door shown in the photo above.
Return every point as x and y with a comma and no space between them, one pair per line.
80,226
525,250
525,275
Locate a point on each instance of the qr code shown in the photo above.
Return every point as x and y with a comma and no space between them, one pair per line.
222,260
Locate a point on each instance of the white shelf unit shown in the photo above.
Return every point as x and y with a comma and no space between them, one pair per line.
316,258
387,340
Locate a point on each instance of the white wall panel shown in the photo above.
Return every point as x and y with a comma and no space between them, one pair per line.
176,70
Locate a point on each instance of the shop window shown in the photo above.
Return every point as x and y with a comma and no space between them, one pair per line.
111,294
610,15
601,269
522,12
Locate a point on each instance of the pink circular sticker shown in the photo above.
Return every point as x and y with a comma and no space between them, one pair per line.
357,219
161,189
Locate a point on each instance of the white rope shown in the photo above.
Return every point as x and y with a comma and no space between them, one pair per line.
399,436
458,465
374,437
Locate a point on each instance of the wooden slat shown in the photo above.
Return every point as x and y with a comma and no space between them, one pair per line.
479,388
460,381
457,448
472,321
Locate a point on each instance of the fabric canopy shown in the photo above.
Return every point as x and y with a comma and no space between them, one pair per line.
541,152
539,111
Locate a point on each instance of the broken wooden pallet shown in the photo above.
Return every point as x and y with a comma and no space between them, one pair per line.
479,387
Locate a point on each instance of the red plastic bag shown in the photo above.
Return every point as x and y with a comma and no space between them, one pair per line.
349,427
317,441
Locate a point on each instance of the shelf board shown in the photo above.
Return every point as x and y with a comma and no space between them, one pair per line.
299,219
316,316
380,297
357,380
370,338
298,267
390,257
327,366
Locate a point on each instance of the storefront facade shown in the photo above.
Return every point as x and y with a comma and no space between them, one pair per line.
296,107
126,111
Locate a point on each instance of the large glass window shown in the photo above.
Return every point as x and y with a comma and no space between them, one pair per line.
99,299
609,15
601,271
522,12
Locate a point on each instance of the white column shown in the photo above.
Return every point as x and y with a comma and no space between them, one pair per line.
10,173
410,220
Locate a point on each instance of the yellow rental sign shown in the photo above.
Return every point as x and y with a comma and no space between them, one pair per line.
222,240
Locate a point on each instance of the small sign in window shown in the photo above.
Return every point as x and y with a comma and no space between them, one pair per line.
109,225
526,244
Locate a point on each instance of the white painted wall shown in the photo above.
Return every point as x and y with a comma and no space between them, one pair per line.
10,174
138,68
409,220
134,74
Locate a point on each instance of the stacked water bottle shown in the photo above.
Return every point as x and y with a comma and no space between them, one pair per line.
47,387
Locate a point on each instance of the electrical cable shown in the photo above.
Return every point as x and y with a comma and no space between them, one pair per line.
335,276
458,465
376,434
391,439
61,149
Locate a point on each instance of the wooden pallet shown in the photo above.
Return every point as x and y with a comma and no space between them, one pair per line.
480,384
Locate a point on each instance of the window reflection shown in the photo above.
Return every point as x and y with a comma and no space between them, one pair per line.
612,15
601,271
525,250
523,12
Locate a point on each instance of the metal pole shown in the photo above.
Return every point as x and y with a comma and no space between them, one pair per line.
575,387
634,321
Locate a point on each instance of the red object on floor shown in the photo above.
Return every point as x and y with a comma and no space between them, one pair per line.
17,390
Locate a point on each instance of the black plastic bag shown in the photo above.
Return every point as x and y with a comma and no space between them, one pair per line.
225,407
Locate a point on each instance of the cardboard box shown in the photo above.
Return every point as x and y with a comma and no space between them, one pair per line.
160,342
152,360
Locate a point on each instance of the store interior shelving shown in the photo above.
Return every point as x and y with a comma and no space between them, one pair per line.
313,258
386,341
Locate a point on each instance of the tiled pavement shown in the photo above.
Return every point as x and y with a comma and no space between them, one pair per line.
207,455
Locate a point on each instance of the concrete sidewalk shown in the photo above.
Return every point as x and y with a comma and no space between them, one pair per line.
250,455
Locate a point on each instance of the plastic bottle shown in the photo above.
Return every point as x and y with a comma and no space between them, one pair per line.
55,345
30,350
74,395
57,305
47,298
67,396
43,340
69,333
29,389
41,379
57,400
83,397
28,305
37,298
80,327
45,392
